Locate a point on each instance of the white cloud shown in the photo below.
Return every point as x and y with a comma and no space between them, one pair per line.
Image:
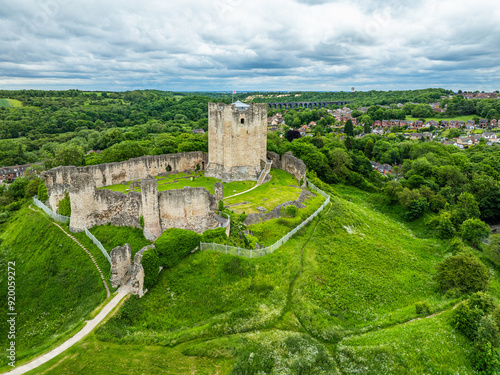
273,44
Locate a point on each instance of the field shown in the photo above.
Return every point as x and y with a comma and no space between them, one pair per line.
10,103
283,187
57,285
181,180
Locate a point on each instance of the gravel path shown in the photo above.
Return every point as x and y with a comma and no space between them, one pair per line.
91,324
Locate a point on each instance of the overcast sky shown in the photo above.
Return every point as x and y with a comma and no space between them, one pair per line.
214,45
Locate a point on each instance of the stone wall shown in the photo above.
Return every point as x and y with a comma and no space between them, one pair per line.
137,273
290,164
90,206
237,141
187,208
59,179
121,264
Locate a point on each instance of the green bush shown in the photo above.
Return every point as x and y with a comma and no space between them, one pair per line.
445,229
467,316
416,209
235,267
474,231
456,246
141,221
423,308
14,206
42,192
486,355
175,244
493,249
217,235
65,205
291,210
221,205
151,264
463,273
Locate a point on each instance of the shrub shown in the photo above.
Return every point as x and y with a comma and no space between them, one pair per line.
445,229
463,272
422,308
474,231
217,235
65,205
151,264
466,319
486,355
457,246
175,244
291,210
42,192
14,206
493,249
32,188
416,209
221,205
141,221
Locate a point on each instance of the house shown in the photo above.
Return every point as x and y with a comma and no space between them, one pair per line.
378,131
450,143
444,124
493,123
11,173
461,124
198,131
312,123
382,168
385,123
377,123
411,124
402,123
394,122
416,136
464,142
490,136
419,124
453,124
483,123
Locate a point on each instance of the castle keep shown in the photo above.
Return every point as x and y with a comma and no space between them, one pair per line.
237,141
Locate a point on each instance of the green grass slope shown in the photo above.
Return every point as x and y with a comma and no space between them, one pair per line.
348,311
57,284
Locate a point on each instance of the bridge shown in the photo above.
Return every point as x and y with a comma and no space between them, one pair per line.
291,105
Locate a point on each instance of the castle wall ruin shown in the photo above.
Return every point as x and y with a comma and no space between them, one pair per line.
59,179
290,164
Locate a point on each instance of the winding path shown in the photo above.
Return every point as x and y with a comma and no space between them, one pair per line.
91,324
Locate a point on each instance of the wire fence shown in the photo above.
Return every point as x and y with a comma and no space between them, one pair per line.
269,249
48,211
98,244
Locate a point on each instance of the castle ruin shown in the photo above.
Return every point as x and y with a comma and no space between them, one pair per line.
237,152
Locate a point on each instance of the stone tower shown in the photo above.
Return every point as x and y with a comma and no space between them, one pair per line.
237,141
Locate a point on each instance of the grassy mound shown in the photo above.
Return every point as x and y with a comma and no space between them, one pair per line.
57,285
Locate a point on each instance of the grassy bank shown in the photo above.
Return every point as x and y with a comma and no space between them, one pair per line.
57,285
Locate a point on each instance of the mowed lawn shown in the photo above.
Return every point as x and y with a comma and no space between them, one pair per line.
282,188
182,180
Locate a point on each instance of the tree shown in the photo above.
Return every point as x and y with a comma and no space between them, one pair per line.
42,192
348,128
369,149
296,123
65,205
474,231
292,134
462,273
69,154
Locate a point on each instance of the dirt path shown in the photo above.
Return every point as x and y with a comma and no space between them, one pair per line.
84,248
91,324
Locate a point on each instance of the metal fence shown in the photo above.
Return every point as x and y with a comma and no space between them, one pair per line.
98,244
267,250
48,211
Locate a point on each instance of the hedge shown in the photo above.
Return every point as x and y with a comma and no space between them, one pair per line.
175,244
151,264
